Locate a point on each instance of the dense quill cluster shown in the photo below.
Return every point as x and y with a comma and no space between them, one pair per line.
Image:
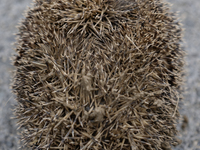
98,75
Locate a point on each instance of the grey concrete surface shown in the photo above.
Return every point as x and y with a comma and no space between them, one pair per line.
10,14
189,12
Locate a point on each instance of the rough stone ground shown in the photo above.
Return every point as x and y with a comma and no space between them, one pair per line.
189,12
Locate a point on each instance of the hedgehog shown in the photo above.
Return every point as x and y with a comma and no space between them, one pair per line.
98,75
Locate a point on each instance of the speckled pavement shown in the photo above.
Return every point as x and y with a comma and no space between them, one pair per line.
189,13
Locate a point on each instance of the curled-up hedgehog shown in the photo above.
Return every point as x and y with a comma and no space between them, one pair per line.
98,75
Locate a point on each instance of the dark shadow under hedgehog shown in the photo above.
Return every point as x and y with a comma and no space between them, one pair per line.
98,75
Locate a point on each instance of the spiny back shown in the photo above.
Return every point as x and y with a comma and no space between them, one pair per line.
98,74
